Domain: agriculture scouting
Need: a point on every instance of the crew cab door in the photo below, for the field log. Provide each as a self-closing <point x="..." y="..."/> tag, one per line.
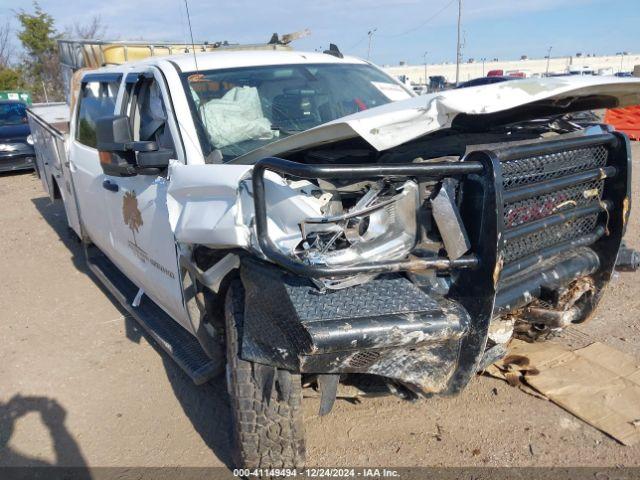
<point x="137" y="205"/>
<point x="97" y="98"/>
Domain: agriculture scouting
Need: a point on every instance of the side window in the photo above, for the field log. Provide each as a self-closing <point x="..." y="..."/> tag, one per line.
<point x="149" y="116"/>
<point x="97" y="99"/>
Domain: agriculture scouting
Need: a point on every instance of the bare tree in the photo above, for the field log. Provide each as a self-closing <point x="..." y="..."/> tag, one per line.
<point x="93" y="30"/>
<point x="6" y="46"/>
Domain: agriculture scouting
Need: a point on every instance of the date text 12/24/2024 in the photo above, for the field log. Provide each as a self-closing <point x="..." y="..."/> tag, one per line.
<point x="317" y="472"/>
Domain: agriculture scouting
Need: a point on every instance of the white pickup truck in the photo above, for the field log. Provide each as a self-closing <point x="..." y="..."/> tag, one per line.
<point x="301" y="218"/>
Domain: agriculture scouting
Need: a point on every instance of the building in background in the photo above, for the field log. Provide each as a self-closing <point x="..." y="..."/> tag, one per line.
<point x="579" y="64"/>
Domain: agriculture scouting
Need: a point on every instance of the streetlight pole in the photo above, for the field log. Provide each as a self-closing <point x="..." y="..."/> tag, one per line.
<point x="370" y="33"/>
<point x="458" y="53"/>
<point x="425" y="68"/>
<point x="483" y="60"/>
<point x="548" y="59"/>
<point x="621" y="60"/>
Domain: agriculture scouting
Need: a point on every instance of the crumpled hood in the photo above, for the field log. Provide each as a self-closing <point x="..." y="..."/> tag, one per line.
<point x="396" y="123"/>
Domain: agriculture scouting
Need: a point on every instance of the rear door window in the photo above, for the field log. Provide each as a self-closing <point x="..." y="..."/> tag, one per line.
<point x="97" y="100"/>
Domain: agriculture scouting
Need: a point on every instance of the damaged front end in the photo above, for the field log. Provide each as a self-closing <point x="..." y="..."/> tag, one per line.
<point x="414" y="240"/>
<point x="409" y="271"/>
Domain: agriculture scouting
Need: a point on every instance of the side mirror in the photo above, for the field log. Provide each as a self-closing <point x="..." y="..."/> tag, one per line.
<point x="152" y="161"/>
<point x="117" y="150"/>
<point x="112" y="134"/>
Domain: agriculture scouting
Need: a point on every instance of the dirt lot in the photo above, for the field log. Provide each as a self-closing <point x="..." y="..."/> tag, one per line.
<point x="81" y="385"/>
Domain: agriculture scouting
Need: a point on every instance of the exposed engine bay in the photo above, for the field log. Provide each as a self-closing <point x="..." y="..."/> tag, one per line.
<point x="386" y="219"/>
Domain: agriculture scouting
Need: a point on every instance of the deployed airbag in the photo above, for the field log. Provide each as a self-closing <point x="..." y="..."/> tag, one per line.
<point x="236" y="117"/>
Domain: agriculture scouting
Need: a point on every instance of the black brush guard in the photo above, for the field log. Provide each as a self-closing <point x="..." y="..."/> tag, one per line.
<point x="529" y="220"/>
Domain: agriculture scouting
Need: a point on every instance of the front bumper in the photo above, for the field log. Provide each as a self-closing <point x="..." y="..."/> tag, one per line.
<point x="18" y="161"/>
<point x="387" y="327"/>
<point x="530" y="233"/>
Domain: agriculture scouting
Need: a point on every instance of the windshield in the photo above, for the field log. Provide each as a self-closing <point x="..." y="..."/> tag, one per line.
<point x="239" y="110"/>
<point x="12" y="114"/>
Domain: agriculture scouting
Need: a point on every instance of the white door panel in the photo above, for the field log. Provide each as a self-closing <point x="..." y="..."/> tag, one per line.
<point x="97" y="98"/>
<point x="88" y="178"/>
<point x="139" y="223"/>
<point x="137" y="213"/>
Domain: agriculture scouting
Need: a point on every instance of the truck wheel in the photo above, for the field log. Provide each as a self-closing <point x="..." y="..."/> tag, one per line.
<point x="265" y="403"/>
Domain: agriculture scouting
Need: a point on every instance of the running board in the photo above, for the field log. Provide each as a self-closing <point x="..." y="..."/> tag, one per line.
<point x="183" y="347"/>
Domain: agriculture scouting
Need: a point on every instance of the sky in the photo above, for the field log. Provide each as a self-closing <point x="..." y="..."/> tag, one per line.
<point x="405" y="29"/>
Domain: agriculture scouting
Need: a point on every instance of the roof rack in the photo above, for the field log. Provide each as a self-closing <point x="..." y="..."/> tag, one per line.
<point x="77" y="54"/>
<point x="88" y="54"/>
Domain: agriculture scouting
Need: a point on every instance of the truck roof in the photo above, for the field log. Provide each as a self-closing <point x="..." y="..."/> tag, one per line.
<point x="235" y="59"/>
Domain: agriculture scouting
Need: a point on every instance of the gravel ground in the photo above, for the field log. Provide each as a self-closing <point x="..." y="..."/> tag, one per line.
<point x="80" y="384"/>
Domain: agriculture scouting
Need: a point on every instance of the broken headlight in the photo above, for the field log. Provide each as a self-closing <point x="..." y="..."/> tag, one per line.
<point x="362" y="223"/>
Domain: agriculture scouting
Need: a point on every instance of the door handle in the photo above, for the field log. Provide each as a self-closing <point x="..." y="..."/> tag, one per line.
<point x="108" y="185"/>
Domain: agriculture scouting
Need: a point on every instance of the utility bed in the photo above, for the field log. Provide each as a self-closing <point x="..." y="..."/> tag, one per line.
<point x="49" y="123"/>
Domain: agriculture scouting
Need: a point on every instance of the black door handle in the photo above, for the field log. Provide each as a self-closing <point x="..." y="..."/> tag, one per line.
<point x="112" y="187"/>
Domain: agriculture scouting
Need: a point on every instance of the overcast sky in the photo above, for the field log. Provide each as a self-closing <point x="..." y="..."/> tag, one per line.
<point x="405" y="28"/>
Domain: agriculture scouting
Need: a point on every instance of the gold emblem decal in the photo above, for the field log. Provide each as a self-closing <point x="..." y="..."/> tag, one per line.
<point x="133" y="219"/>
<point x="131" y="213"/>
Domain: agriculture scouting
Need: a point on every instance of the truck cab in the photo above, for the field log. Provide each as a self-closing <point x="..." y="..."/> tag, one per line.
<point x="163" y="104"/>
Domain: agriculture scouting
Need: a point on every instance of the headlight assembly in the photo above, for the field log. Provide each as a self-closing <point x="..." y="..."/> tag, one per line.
<point x="381" y="225"/>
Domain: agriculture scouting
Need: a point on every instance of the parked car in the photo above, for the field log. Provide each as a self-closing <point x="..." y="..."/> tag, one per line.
<point x="16" y="142"/>
<point x="274" y="215"/>
<point x="437" y="83"/>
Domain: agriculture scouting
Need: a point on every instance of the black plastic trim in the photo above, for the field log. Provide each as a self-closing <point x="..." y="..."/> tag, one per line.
<point x="102" y="77"/>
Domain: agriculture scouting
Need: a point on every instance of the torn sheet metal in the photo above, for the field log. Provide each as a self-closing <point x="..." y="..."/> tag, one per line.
<point x="202" y="201"/>
<point x="447" y="217"/>
<point x="212" y="205"/>
<point x="396" y="123"/>
<point x="213" y="276"/>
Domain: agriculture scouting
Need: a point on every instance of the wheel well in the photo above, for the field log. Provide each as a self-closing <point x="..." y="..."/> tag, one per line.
<point x="204" y="258"/>
<point x="215" y="302"/>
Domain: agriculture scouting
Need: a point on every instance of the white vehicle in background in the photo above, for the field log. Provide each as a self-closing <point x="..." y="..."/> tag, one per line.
<point x="300" y="218"/>
<point x="581" y="70"/>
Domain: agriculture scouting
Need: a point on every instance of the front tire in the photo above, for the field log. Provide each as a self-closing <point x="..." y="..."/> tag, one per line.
<point x="266" y="403"/>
